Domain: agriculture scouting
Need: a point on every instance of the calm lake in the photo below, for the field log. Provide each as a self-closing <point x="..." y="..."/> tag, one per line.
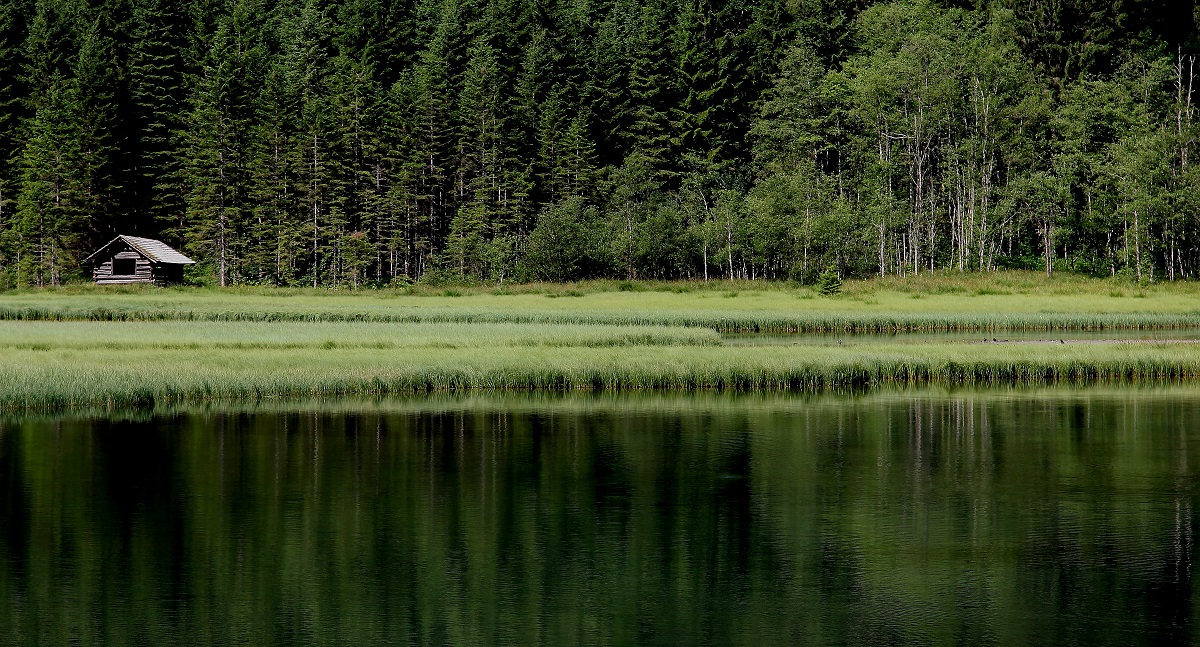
<point x="1020" y="517"/>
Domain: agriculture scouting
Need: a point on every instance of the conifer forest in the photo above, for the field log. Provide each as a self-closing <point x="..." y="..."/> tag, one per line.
<point x="354" y="143"/>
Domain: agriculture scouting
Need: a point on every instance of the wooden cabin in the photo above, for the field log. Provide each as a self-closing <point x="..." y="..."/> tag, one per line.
<point x="129" y="259"/>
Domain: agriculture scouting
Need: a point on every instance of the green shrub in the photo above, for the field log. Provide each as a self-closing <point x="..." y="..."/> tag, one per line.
<point x="829" y="283"/>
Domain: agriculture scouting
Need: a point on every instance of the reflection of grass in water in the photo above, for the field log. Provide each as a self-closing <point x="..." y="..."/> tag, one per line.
<point x="844" y="513"/>
<point x="612" y="402"/>
<point x="55" y="365"/>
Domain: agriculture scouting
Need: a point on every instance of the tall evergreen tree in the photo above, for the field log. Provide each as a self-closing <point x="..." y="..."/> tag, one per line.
<point x="217" y="141"/>
<point x="156" y="88"/>
<point x="652" y="88"/>
<point x="100" y="145"/>
<point x="46" y="234"/>
<point x="13" y="92"/>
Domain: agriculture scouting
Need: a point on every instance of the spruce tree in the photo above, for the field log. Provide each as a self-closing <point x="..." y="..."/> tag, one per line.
<point x="339" y="142"/>
<point x="701" y="77"/>
<point x="317" y="165"/>
<point x="276" y="251"/>
<point x="406" y="230"/>
<point x="607" y="85"/>
<point x="13" y="92"/>
<point x="436" y="133"/>
<point x="45" y="238"/>
<point x="100" y="147"/>
<point x="652" y="89"/>
<point x="217" y="142"/>
<point x="157" y="94"/>
<point x="481" y="179"/>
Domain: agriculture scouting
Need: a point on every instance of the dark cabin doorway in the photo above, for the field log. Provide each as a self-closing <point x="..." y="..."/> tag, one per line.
<point x="124" y="266"/>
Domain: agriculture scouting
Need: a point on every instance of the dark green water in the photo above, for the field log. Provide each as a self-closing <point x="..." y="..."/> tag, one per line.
<point x="1018" y="518"/>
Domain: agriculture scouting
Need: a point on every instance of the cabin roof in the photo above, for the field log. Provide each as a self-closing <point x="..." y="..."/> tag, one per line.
<point x="155" y="250"/>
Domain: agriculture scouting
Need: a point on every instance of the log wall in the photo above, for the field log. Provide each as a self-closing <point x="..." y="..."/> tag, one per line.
<point x="144" y="272"/>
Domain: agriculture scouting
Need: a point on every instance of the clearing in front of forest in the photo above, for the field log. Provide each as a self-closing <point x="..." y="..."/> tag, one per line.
<point x="940" y="302"/>
<point x="129" y="347"/>
<point x="47" y="365"/>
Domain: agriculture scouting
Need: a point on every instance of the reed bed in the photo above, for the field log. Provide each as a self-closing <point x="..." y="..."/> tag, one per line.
<point x="57" y="378"/>
<point x="224" y="336"/>
<point x="884" y="310"/>
<point x="135" y="347"/>
<point x="581" y="402"/>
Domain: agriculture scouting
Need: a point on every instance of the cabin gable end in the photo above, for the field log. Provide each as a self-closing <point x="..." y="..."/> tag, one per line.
<point x="127" y="259"/>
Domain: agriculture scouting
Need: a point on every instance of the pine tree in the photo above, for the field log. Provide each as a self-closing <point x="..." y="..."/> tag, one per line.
<point x="158" y="104"/>
<point x="652" y="86"/>
<point x="436" y="133"/>
<point x="100" y="148"/>
<point x="481" y="179"/>
<point x="217" y="142"/>
<point x="12" y="112"/>
<point x="45" y="236"/>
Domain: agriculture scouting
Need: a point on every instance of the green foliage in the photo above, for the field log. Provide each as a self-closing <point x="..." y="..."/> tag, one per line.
<point x="364" y="142"/>
<point x="563" y="245"/>
<point x="829" y="284"/>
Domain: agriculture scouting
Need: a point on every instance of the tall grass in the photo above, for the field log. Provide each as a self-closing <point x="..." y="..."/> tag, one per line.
<point x="224" y="335"/>
<point x="72" y="377"/>
<point x="587" y="402"/>
<point x="884" y="307"/>
<point x="131" y="347"/>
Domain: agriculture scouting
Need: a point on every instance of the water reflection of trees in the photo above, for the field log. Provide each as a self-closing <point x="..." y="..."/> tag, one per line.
<point x="976" y="518"/>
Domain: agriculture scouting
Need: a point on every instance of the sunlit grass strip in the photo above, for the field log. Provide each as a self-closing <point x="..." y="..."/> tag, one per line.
<point x="731" y="321"/>
<point x="42" y="380"/>
<point x="884" y="310"/>
<point x="241" y="336"/>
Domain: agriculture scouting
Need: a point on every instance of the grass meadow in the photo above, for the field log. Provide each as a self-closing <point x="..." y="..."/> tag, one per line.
<point x="84" y="346"/>
<point x="55" y="365"/>
<point x="1006" y="301"/>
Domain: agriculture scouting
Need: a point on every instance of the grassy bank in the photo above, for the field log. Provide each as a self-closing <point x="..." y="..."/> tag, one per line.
<point x="604" y="403"/>
<point x="127" y="347"/>
<point x="1011" y="301"/>
<point x="54" y="365"/>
